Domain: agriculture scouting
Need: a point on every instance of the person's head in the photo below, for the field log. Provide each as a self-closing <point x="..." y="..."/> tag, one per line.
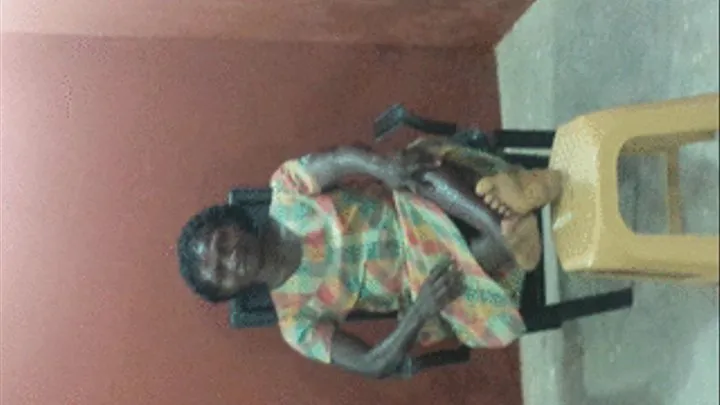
<point x="219" y="252"/>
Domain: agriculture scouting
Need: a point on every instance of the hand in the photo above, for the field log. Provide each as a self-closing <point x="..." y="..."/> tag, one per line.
<point x="406" y="369"/>
<point x="442" y="287"/>
<point x="405" y="169"/>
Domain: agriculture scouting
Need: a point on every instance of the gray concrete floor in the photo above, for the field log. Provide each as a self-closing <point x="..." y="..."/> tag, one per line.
<point x="568" y="57"/>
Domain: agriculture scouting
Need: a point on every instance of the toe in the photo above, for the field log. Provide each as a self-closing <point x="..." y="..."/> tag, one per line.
<point x="507" y="212"/>
<point x="484" y="186"/>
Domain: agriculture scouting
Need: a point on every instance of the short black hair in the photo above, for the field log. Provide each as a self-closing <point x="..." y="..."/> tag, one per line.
<point x="195" y="230"/>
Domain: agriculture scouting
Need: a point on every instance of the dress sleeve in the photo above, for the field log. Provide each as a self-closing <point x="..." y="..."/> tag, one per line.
<point x="308" y="335"/>
<point x="292" y="177"/>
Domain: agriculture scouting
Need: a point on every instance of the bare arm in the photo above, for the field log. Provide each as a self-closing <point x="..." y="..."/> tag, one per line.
<point x="434" y="184"/>
<point x="352" y="354"/>
<point x="328" y="168"/>
<point x="460" y="202"/>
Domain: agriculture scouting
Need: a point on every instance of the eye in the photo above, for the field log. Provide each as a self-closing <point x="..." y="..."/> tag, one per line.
<point x="227" y="242"/>
<point x="200" y="249"/>
<point x="230" y="261"/>
<point x="230" y="245"/>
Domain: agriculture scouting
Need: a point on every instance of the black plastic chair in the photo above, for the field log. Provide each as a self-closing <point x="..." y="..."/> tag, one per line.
<point x="254" y="308"/>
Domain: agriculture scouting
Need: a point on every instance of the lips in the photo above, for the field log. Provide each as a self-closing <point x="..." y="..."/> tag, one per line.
<point x="241" y="259"/>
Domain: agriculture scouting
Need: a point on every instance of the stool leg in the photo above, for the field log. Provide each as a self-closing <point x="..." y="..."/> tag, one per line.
<point x="674" y="197"/>
<point x="669" y="258"/>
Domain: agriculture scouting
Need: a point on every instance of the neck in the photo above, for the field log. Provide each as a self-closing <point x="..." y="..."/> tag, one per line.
<point x="279" y="255"/>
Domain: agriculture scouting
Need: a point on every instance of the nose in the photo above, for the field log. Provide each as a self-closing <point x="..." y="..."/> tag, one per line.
<point x="230" y="262"/>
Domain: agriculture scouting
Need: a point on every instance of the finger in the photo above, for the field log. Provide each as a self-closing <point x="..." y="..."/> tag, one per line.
<point x="420" y="177"/>
<point x="457" y="288"/>
<point x="431" y="162"/>
<point x="440" y="267"/>
<point x="457" y="278"/>
<point x="416" y="169"/>
<point x="448" y="278"/>
<point x="440" y="291"/>
<point x="425" y="163"/>
<point x="444" y="301"/>
<point x="450" y="275"/>
<point x="444" y="283"/>
<point x="454" y="277"/>
<point x="449" y="294"/>
<point x="409" y="158"/>
<point x="436" y="273"/>
<point x="418" y="187"/>
<point x="443" y="279"/>
<point x="451" y="291"/>
<point x="445" y="275"/>
<point x="421" y="158"/>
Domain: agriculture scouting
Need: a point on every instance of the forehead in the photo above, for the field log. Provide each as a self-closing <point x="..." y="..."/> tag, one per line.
<point x="211" y="247"/>
<point x="206" y="237"/>
<point x="208" y="243"/>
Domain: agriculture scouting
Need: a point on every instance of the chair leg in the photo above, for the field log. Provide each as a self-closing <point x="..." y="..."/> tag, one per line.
<point x="533" y="289"/>
<point x="523" y="139"/>
<point x="553" y="316"/>
<point x="527" y="161"/>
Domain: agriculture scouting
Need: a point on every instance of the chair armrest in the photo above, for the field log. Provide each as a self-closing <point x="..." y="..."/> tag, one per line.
<point x="241" y="316"/>
<point x="441" y="358"/>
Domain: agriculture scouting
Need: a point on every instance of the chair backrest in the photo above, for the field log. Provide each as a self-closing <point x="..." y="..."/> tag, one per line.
<point x="253" y="308"/>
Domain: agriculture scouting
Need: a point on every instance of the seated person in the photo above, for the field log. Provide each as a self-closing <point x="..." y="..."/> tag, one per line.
<point x="332" y="248"/>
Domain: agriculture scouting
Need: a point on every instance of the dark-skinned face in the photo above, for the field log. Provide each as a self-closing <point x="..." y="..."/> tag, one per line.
<point x="229" y="259"/>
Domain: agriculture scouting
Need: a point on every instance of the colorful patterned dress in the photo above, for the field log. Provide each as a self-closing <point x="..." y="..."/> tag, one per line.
<point x="370" y="249"/>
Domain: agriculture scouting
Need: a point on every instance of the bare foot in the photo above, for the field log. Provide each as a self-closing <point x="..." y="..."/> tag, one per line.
<point x="519" y="192"/>
<point x="523" y="238"/>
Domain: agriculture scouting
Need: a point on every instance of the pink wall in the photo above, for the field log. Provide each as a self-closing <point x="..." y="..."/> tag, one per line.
<point x="409" y="22"/>
<point x="109" y="145"/>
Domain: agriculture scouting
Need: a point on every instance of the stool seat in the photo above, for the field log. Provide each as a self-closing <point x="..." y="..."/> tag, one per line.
<point x="589" y="231"/>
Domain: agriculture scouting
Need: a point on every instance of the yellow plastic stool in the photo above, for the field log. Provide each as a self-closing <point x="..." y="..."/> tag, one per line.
<point x="590" y="234"/>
